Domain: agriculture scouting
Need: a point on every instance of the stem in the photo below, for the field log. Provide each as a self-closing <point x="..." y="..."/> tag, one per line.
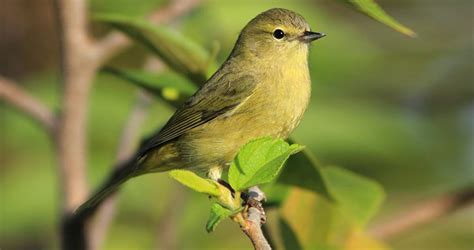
<point x="13" y="94"/>
<point x="250" y="222"/>
<point x="167" y="228"/>
<point x="252" y="227"/>
<point x="106" y="212"/>
<point x="115" y="41"/>
<point x="423" y="213"/>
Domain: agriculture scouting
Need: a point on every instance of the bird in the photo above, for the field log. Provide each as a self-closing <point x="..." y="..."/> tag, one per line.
<point x="262" y="89"/>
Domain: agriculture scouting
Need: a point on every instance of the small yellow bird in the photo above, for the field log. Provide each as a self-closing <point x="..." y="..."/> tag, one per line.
<point x="262" y="89"/>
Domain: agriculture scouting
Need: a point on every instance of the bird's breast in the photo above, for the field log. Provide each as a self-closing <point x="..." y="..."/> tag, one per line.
<point x="274" y="109"/>
<point x="287" y="92"/>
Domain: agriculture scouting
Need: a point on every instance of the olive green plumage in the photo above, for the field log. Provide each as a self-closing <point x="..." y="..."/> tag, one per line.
<point x="262" y="89"/>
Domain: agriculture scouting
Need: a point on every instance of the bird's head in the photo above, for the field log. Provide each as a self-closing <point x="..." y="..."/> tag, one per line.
<point x="276" y="33"/>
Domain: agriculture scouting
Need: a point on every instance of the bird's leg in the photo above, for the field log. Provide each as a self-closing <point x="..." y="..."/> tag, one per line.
<point x="215" y="174"/>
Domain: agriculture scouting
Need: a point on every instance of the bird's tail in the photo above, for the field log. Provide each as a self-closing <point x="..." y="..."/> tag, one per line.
<point x="121" y="174"/>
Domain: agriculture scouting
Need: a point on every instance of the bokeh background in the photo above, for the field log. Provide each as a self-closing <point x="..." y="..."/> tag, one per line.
<point x="396" y="109"/>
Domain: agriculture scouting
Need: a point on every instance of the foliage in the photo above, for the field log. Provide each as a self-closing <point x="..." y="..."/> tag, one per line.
<point x="193" y="181"/>
<point x="380" y="129"/>
<point x="260" y="161"/>
<point x="372" y="9"/>
<point x="176" y="50"/>
<point x="218" y="213"/>
<point x="168" y="86"/>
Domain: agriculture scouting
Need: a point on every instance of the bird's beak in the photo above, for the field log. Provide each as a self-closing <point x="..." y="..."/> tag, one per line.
<point x="309" y="36"/>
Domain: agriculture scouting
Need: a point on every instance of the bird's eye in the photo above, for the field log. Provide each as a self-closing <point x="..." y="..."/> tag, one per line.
<point x="278" y="34"/>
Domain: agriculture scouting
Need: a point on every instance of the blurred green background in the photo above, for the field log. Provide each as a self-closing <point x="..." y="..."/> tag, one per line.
<point x="396" y="109"/>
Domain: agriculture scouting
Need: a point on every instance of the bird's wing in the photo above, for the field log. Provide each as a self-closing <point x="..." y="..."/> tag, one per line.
<point x="218" y="96"/>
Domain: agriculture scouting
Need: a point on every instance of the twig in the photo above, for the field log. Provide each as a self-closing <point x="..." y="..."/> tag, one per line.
<point x="115" y="42"/>
<point x="424" y="213"/>
<point x="251" y="221"/>
<point x="13" y="94"/>
<point x="130" y="131"/>
<point x="167" y="227"/>
<point x="125" y="150"/>
<point x="253" y="229"/>
<point x="106" y="213"/>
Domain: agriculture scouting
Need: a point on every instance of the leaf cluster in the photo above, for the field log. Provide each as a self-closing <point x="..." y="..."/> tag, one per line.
<point x="260" y="161"/>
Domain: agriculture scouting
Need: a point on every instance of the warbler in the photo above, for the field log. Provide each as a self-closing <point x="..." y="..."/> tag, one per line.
<point x="262" y="89"/>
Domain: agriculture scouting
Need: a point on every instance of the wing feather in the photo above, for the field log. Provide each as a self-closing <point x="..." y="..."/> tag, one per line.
<point x="218" y="96"/>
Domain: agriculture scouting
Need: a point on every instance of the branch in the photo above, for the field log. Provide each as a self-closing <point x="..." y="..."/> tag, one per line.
<point x="251" y="222"/>
<point x="252" y="227"/>
<point x="12" y="94"/>
<point x="137" y="116"/>
<point x="167" y="227"/>
<point x="115" y="41"/>
<point x="77" y="71"/>
<point x="424" y="213"/>
<point x="106" y="212"/>
<point x="80" y="59"/>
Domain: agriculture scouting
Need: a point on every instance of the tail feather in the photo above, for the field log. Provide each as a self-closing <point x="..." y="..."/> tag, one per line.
<point x="122" y="174"/>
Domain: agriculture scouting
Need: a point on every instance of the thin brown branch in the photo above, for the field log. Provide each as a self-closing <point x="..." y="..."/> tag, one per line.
<point x="424" y="213"/>
<point x="125" y="149"/>
<point x="130" y="134"/>
<point x="115" y="42"/>
<point x="251" y="221"/>
<point x="167" y="237"/>
<point x="253" y="229"/>
<point x="13" y="94"/>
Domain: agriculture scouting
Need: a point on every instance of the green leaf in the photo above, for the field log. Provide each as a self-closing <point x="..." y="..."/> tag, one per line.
<point x="316" y="222"/>
<point x="179" y="52"/>
<point x="357" y="196"/>
<point x="167" y="86"/>
<point x="195" y="182"/>
<point x="259" y="161"/>
<point x="303" y="171"/>
<point x="372" y="9"/>
<point x="218" y="213"/>
<point x="288" y="236"/>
